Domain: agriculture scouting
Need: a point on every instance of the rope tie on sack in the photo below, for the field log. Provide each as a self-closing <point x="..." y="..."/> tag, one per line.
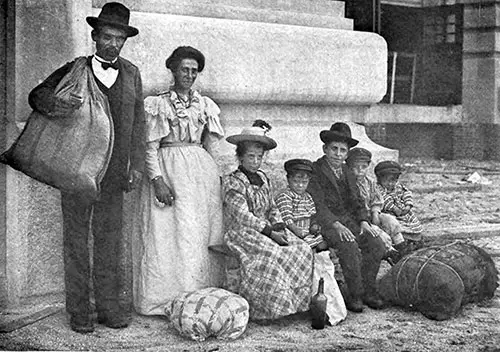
<point x="415" y="291"/>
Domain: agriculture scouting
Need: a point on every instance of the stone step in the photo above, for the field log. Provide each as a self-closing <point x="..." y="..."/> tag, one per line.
<point x="306" y="13"/>
<point x="320" y="7"/>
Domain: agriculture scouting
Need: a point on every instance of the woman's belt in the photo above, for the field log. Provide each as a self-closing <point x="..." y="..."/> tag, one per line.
<point x="165" y="144"/>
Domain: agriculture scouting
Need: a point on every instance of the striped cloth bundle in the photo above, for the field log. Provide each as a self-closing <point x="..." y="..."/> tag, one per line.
<point x="209" y="312"/>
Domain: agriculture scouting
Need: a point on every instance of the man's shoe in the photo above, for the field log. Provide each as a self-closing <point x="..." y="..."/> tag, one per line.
<point x="354" y="305"/>
<point x="373" y="302"/>
<point x="113" y="322"/>
<point x="82" y="325"/>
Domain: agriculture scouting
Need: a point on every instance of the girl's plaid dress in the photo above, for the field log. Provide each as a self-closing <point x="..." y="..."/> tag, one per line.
<point x="274" y="279"/>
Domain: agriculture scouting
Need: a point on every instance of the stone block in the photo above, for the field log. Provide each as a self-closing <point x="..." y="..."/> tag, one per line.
<point x="296" y="130"/>
<point x="402" y="113"/>
<point x="481" y="42"/>
<point x="479" y="92"/>
<point x="482" y="17"/>
<point x="265" y="63"/>
<point x="311" y="13"/>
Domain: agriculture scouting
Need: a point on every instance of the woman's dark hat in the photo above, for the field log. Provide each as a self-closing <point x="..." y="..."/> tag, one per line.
<point x="388" y="167"/>
<point x="116" y="15"/>
<point x="253" y="134"/>
<point x="185" y="52"/>
<point x="339" y="132"/>
<point x="359" y="154"/>
<point x="298" y="165"/>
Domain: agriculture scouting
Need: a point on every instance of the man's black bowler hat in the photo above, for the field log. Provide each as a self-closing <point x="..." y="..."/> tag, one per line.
<point x="339" y="132"/>
<point x="298" y="165"/>
<point x="116" y="15"/>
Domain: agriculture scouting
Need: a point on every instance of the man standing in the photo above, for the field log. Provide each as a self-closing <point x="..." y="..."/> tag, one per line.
<point x="344" y="219"/>
<point x="121" y="82"/>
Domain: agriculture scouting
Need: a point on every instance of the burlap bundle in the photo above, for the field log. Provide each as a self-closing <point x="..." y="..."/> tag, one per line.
<point x="209" y="312"/>
<point x="70" y="153"/>
<point x="439" y="280"/>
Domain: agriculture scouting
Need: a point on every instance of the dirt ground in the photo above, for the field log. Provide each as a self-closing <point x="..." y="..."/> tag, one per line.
<point x="475" y="328"/>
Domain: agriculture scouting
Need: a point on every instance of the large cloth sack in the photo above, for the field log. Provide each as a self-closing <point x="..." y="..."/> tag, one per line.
<point x="438" y="280"/>
<point x="324" y="268"/>
<point x="70" y="153"/>
<point x="209" y="312"/>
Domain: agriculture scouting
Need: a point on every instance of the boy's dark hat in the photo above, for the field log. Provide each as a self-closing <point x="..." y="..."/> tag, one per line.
<point x="388" y="167"/>
<point x="358" y="154"/>
<point x="116" y="15"/>
<point x="186" y="52"/>
<point x="338" y="132"/>
<point x="298" y="165"/>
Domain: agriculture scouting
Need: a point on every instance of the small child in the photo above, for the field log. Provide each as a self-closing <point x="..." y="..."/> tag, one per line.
<point x="297" y="206"/>
<point x="388" y="228"/>
<point x="398" y="200"/>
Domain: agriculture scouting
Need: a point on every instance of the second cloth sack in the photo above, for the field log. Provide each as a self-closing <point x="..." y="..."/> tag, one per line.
<point x="324" y="268"/>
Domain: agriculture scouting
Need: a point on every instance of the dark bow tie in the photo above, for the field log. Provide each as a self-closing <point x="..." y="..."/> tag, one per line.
<point x="106" y="65"/>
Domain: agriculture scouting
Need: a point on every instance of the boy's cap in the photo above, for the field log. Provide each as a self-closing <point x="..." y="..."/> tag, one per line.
<point x="298" y="165"/>
<point x="359" y="154"/>
<point x="388" y="167"/>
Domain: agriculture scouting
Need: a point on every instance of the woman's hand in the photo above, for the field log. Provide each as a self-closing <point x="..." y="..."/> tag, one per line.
<point x="366" y="228"/>
<point x="344" y="233"/>
<point x="279" y="237"/>
<point x="163" y="192"/>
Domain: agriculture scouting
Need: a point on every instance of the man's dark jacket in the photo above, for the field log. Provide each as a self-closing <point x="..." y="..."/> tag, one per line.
<point x="334" y="203"/>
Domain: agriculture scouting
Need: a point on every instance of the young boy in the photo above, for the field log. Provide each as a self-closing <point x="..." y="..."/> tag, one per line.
<point x="297" y="206"/>
<point x="388" y="228"/>
<point x="398" y="200"/>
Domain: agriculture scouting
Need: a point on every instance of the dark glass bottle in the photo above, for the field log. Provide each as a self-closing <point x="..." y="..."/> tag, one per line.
<point x="317" y="307"/>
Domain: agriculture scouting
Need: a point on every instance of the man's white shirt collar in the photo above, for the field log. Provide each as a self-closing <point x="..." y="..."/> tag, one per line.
<point x="107" y="77"/>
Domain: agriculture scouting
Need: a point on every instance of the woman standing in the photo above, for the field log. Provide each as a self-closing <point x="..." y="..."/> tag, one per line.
<point x="181" y="205"/>
<point x="275" y="266"/>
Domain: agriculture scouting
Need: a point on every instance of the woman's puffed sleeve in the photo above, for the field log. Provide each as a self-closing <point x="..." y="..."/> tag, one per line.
<point x="157" y="111"/>
<point x="151" y="163"/>
<point x="212" y="113"/>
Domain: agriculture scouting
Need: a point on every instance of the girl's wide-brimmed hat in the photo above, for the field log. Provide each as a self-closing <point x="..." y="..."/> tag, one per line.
<point x="338" y="132"/>
<point x="253" y="134"/>
<point x="115" y="15"/>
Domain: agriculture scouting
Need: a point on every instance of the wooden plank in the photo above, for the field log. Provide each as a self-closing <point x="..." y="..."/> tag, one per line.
<point x="27" y="319"/>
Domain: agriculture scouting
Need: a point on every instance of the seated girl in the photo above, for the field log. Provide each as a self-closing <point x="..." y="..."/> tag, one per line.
<point x="275" y="273"/>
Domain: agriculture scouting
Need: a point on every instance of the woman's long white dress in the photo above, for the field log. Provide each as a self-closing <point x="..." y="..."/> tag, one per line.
<point x="172" y="253"/>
